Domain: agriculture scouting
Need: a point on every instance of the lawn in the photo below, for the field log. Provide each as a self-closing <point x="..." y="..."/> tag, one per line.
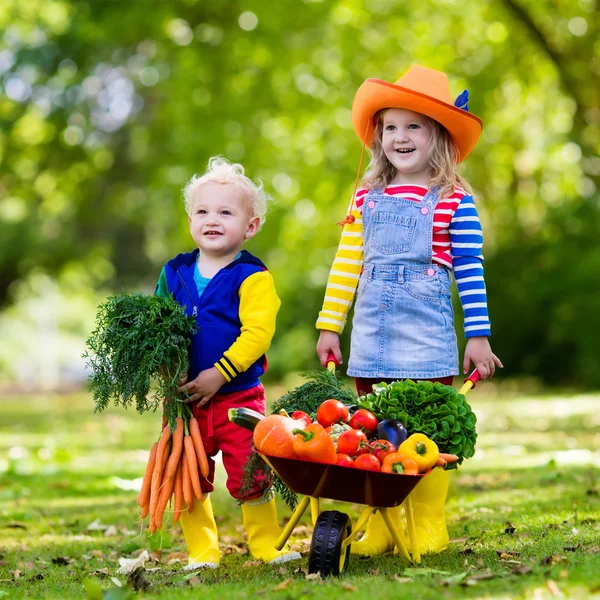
<point x="524" y="514"/>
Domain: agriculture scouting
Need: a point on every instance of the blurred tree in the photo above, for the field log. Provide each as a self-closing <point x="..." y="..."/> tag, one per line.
<point x="108" y="107"/>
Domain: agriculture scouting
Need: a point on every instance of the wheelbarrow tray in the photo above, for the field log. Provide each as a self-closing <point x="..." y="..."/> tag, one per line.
<point x="345" y="484"/>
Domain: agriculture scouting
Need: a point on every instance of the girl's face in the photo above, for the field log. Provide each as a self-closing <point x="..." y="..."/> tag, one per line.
<point x="405" y="140"/>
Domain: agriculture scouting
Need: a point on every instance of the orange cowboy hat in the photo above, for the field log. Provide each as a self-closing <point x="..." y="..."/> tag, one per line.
<point x="421" y="90"/>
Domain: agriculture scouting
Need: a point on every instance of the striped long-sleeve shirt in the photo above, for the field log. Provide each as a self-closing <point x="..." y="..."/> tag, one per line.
<point x="457" y="244"/>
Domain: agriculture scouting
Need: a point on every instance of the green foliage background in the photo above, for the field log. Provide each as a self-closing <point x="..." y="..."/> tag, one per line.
<point x="109" y="106"/>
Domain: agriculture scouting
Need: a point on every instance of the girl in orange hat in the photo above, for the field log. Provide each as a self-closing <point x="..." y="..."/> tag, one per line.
<point x="410" y="226"/>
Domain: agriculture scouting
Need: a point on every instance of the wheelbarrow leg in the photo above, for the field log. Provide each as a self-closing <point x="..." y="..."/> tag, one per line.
<point x="287" y="530"/>
<point x="314" y="510"/>
<point x="412" y="533"/>
<point x="395" y="533"/>
<point x="362" y="519"/>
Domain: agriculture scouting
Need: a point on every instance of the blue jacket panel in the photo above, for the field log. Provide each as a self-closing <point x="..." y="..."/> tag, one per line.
<point x="216" y="312"/>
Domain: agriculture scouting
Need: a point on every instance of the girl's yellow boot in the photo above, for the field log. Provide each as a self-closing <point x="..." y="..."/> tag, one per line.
<point x="376" y="539"/>
<point x="262" y="528"/>
<point x="201" y="537"/>
<point x="428" y="500"/>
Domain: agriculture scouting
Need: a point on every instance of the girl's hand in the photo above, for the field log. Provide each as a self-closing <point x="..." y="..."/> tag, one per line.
<point x="329" y="341"/>
<point x="204" y="387"/>
<point x="479" y="352"/>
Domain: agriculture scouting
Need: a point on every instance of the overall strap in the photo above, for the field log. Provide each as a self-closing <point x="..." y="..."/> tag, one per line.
<point x="431" y="198"/>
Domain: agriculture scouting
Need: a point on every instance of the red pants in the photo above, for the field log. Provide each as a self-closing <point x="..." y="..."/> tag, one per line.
<point x="235" y="442"/>
<point x="365" y="386"/>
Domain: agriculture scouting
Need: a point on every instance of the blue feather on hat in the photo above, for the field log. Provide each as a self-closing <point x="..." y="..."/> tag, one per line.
<point x="463" y="101"/>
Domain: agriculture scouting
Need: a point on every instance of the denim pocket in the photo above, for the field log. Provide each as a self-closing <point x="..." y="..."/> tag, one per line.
<point x="392" y="233"/>
<point x="429" y="289"/>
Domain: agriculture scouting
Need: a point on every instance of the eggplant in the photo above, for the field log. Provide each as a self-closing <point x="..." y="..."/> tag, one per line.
<point x="391" y="430"/>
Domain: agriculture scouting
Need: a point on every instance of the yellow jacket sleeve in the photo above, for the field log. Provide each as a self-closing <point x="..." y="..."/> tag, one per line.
<point x="259" y="305"/>
<point x="344" y="276"/>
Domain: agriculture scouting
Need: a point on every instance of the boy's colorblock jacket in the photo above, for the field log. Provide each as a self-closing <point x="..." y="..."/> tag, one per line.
<point x="235" y="314"/>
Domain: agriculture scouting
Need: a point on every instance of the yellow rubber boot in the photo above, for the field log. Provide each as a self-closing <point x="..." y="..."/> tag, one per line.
<point x="428" y="499"/>
<point x="201" y="537"/>
<point x="262" y="528"/>
<point x="376" y="539"/>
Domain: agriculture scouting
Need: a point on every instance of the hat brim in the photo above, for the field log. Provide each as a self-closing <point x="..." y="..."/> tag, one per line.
<point x="375" y="94"/>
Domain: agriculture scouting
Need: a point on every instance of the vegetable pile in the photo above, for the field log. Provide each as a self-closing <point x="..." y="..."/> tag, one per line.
<point x="436" y="410"/>
<point x="359" y="441"/>
<point x="140" y="344"/>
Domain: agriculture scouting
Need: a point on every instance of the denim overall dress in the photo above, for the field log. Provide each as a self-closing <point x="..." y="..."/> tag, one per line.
<point x="403" y="323"/>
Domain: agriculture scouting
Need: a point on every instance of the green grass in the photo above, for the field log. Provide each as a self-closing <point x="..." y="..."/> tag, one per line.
<point x="61" y="468"/>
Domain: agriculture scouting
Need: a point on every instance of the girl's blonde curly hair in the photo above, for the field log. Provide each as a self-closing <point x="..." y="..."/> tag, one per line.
<point x="443" y="158"/>
<point x="220" y="170"/>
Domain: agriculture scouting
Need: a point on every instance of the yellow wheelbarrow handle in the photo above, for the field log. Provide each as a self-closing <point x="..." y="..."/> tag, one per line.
<point x="470" y="382"/>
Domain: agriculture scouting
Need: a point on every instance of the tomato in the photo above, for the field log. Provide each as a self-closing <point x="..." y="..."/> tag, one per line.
<point x="365" y="420"/>
<point x="381" y="448"/>
<point x="300" y="415"/>
<point x="332" y="411"/>
<point x="343" y="460"/>
<point x="367" y="462"/>
<point x="352" y="442"/>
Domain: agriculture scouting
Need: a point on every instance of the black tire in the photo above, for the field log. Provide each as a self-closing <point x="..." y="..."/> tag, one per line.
<point x="326" y="554"/>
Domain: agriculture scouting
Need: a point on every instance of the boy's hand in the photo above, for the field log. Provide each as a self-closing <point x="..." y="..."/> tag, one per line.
<point x="329" y="341"/>
<point x="204" y="387"/>
<point x="479" y="352"/>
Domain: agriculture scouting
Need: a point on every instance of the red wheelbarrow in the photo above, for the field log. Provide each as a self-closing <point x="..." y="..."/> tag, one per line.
<point x="333" y="532"/>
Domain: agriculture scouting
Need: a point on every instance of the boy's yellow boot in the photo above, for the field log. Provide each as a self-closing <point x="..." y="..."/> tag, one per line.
<point x="262" y="528"/>
<point x="376" y="539"/>
<point x="428" y="500"/>
<point x="201" y="537"/>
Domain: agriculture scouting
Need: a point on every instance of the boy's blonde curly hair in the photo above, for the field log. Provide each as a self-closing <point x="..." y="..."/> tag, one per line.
<point x="220" y="170"/>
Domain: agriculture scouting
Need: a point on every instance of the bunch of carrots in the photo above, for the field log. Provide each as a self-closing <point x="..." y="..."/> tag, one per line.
<point x="174" y="467"/>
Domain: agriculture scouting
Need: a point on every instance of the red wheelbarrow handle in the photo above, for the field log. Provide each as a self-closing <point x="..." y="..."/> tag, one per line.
<point x="474" y="377"/>
<point x="332" y="362"/>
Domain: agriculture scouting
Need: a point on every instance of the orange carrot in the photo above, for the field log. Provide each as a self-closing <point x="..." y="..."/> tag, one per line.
<point x="162" y="453"/>
<point x="198" y="446"/>
<point x="188" y="493"/>
<point x="170" y="471"/>
<point x="190" y="455"/>
<point x="178" y="495"/>
<point x="449" y="458"/>
<point x="440" y="462"/>
<point x="144" y="495"/>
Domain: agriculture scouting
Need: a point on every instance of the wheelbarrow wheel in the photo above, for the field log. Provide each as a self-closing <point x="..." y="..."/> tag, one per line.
<point x="327" y="556"/>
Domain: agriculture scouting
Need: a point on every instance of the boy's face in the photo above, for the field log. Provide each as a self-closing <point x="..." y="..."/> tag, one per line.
<point x="405" y="140"/>
<point x="221" y="219"/>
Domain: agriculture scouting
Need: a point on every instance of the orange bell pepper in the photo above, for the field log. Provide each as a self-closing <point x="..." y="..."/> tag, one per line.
<point x="314" y="444"/>
<point x="398" y="463"/>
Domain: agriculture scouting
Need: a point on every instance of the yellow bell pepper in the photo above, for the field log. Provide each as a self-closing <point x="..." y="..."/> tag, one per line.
<point x="421" y="449"/>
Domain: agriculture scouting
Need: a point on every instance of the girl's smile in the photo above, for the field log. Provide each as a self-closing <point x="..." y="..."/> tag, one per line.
<point x="405" y="141"/>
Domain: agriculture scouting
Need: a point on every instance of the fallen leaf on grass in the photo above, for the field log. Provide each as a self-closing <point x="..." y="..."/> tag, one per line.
<point x="104" y="572"/>
<point x="96" y="526"/>
<point x="26" y="565"/>
<point x="313" y="576"/>
<point x="128" y="565"/>
<point x="194" y="581"/>
<point x="553" y="589"/>
<point x="175" y="556"/>
<point x="348" y="587"/>
<point x="509" y="528"/>
<point x="16" y="574"/>
<point x="138" y="580"/>
<point x="116" y="582"/>
<point x="399" y="579"/>
<point x="507" y="553"/>
<point x="477" y="577"/>
<point x="425" y="571"/>
<point x="373" y="572"/>
<point x="111" y="530"/>
<point x="453" y="579"/>
<point x="553" y="560"/>
<point x="521" y="570"/>
<point x="284" y="585"/>
<point x="458" y="540"/>
<point x="252" y="563"/>
<point x="62" y="560"/>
